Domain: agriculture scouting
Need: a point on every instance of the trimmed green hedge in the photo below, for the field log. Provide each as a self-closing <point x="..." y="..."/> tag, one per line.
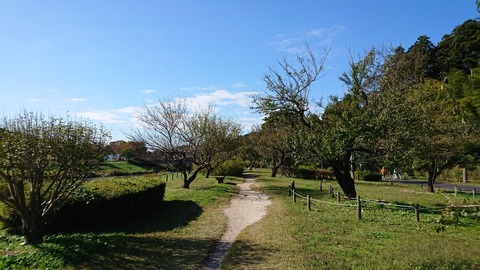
<point x="369" y="176"/>
<point x="110" y="200"/>
<point x="307" y="172"/>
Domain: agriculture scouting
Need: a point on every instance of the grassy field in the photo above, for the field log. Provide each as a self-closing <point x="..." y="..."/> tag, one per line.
<point x="332" y="237"/>
<point x="178" y="235"/>
<point x="112" y="168"/>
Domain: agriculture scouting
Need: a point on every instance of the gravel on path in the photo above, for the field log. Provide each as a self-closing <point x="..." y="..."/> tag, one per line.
<point x="246" y="208"/>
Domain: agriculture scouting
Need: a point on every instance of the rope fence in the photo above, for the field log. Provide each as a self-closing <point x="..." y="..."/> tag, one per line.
<point x="359" y="202"/>
<point x="171" y="176"/>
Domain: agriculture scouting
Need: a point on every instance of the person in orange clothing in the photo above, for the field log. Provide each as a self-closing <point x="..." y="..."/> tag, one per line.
<point x="383" y="172"/>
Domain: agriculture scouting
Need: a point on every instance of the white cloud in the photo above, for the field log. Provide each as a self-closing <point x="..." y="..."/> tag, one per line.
<point x="239" y="85"/>
<point x="129" y="110"/>
<point x="120" y="116"/>
<point x="196" y="88"/>
<point x="104" y="116"/>
<point x="221" y="98"/>
<point x="231" y="105"/>
<point x="77" y="99"/>
<point x="148" y="91"/>
<point x="318" y="37"/>
<point x="38" y="100"/>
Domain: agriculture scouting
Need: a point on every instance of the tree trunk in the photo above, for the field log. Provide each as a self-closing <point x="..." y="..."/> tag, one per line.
<point x="33" y="231"/>
<point x="252" y="163"/>
<point x="341" y="169"/>
<point x="275" y="168"/>
<point x="433" y="173"/>
<point x="431" y="183"/>
<point x="188" y="180"/>
<point x="208" y="171"/>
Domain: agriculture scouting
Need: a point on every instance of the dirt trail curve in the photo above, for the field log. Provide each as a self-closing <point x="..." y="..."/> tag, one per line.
<point x="246" y="208"/>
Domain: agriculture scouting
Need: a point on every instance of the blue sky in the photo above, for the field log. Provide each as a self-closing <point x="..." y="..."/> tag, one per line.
<point x="105" y="60"/>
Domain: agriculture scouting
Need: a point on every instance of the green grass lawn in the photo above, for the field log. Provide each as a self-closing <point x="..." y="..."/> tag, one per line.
<point x="120" y="168"/>
<point x="178" y="235"/>
<point x="332" y="237"/>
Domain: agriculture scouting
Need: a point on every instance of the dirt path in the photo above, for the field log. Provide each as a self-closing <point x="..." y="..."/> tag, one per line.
<point x="246" y="208"/>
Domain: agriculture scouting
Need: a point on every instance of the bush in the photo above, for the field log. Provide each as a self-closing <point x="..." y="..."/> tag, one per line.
<point x="369" y="176"/>
<point x="108" y="201"/>
<point x="233" y="167"/>
<point x="310" y="172"/>
<point x="304" y="172"/>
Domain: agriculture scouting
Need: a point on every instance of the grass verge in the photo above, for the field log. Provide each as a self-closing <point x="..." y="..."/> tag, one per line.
<point x="177" y="235"/>
<point x="331" y="236"/>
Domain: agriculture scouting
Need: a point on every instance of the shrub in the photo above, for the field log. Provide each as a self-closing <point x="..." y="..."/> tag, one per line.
<point x="108" y="201"/>
<point x="369" y="176"/>
<point x="310" y="172"/>
<point x="233" y="167"/>
<point x="304" y="172"/>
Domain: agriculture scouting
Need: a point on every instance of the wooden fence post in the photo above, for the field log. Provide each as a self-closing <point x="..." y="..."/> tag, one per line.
<point x="166" y="178"/>
<point x="417" y="212"/>
<point x="308" y="202"/>
<point x="293" y="185"/>
<point x="473" y="193"/>
<point x="338" y="197"/>
<point x="321" y="184"/>
<point x="294" y="196"/>
<point x="359" y="208"/>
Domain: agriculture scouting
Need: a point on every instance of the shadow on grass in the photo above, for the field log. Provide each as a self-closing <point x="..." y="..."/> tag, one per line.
<point x="245" y="255"/>
<point x="250" y="175"/>
<point x="120" y="251"/>
<point x="131" y="244"/>
<point x="170" y="215"/>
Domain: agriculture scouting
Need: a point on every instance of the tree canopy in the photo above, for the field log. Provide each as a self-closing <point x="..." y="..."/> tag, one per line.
<point x="182" y="138"/>
<point x="417" y="109"/>
<point x="43" y="160"/>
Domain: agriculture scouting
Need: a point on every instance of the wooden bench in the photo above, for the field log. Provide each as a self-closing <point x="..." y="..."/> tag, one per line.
<point x="220" y="179"/>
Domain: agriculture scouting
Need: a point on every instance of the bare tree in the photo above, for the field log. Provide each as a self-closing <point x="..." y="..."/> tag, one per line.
<point x="203" y="138"/>
<point x="289" y="86"/>
<point x="42" y="163"/>
<point x="273" y="142"/>
<point x="216" y="139"/>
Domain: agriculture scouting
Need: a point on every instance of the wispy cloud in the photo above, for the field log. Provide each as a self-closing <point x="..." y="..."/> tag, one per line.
<point x="239" y="85"/>
<point x="148" y="91"/>
<point x="196" y="88"/>
<point x="119" y="116"/>
<point x="318" y="37"/>
<point x="38" y="100"/>
<point x="76" y="99"/>
<point x="104" y="116"/>
<point x="128" y="110"/>
<point x="231" y="105"/>
<point x="220" y="98"/>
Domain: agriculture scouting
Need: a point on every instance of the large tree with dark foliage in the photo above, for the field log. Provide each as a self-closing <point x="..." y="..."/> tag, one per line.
<point x="460" y="49"/>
